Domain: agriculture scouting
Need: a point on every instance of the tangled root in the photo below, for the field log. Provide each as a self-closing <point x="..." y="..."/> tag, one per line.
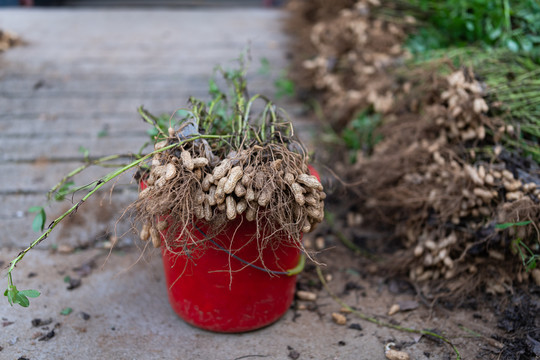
<point x="270" y="185"/>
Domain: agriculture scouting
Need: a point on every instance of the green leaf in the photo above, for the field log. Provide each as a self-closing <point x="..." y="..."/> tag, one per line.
<point x="152" y="132"/>
<point x="84" y="151"/>
<point x="510" y="224"/>
<point x="526" y="45"/>
<point x="265" y="67"/>
<point x="9" y="295"/>
<point x="63" y="191"/>
<point x="66" y="311"/>
<point x="512" y="45"/>
<point x="495" y="33"/>
<point x="30" y="293"/>
<point x="531" y="264"/>
<point x="67" y="279"/>
<point x="39" y="221"/>
<point x="35" y="209"/>
<point x="21" y="299"/>
<point x="102" y="133"/>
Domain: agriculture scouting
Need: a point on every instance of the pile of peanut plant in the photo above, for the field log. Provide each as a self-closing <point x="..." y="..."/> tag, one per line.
<point x="213" y="165"/>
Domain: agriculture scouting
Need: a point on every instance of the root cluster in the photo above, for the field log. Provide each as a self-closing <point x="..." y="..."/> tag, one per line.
<point x="343" y="53"/>
<point x="268" y="184"/>
<point x="442" y="176"/>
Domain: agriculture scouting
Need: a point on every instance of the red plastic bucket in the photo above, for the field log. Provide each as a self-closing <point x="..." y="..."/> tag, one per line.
<point x="222" y="285"/>
<point x="215" y="291"/>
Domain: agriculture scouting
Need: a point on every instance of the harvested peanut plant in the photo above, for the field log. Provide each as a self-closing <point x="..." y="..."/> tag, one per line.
<point x="212" y="163"/>
<point x="245" y="165"/>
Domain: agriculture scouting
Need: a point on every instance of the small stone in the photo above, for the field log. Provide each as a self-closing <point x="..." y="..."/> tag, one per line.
<point x="339" y="318"/>
<point x="345" y="310"/>
<point x="65" y="249"/>
<point x="319" y="243"/>
<point x="496" y="255"/>
<point x="394" y="309"/>
<point x="306" y="295"/>
<point x="392" y="354"/>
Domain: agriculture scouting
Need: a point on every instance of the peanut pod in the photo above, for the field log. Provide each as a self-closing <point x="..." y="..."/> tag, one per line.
<point x="199" y="197"/>
<point x="199" y="211"/>
<point x="222" y="169"/>
<point x="186" y="160"/>
<point x="234" y="176"/>
<point x="264" y="196"/>
<point x="241" y="206"/>
<point x="289" y="178"/>
<point x="160" y="182"/>
<point x="160" y="145"/>
<point x="156" y="238"/>
<point x="298" y="192"/>
<point x="251" y="212"/>
<point x="310" y="181"/>
<point x="159" y="171"/>
<point x="247" y="177"/>
<point x="231" y="208"/>
<point x="162" y="225"/>
<point x="145" y="232"/>
<point x="307" y="226"/>
<point x="211" y="196"/>
<point x="259" y="180"/>
<point x="239" y="190"/>
<point x="207" y="182"/>
<point x="207" y="210"/>
<point x="200" y="162"/>
<point x="220" y="192"/>
<point x="143" y="193"/>
<point x="311" y="199"/>
<point x="222" y="206"/>
<point x="315" y="213"/>
<point x="170" y="171"/>
<point x="250" y="194"/>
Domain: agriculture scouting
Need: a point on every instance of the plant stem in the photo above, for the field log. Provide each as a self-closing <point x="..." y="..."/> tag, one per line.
<point x="80" y="169"/>
<point x="381" y="323"/>
<point x="98" y="185"/>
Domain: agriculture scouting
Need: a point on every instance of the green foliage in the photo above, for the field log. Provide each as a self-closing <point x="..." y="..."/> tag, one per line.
<point x="265" y="67"/>
<point x="15" y="296"/>
<point x="39" y="220"/>
<point x="528" y="257"/>
<point x="103" y="133"/>
<point x="360" y="133"/>
<point x="511" y="224"/>
<point x="63" y="190"/>
<point x="66" y="311"/>
<point x="514" y="25"/>
<point x="284" y="86"/>
<point x="84" y="151"/>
